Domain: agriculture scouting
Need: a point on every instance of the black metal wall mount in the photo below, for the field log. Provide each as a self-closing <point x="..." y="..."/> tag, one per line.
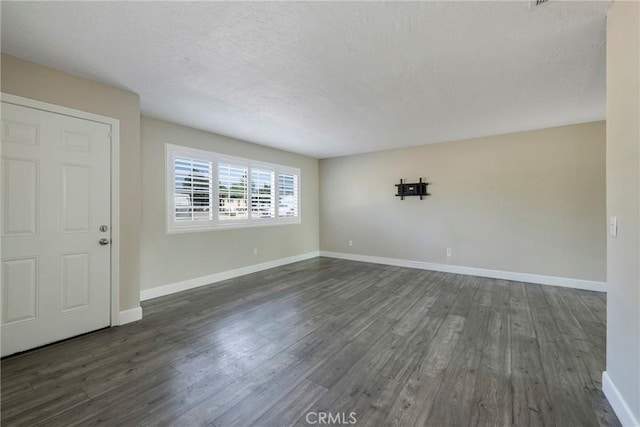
<point x="412" y="189"/>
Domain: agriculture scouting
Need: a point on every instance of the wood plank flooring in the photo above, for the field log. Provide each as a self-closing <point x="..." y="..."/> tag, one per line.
<point x="394" y="346"/>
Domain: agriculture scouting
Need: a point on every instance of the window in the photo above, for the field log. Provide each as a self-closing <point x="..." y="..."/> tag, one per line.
<point x="191" y="189"/>
<point x="287" y="195"/>
<point x="248" y="193"/>
<point x="232" y="191"/>
<point x="263" y="193"/>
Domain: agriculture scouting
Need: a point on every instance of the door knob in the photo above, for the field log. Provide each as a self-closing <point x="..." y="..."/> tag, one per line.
<point x="103" y="241"/>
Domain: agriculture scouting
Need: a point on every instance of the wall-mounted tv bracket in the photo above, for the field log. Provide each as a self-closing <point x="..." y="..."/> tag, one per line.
<point x="412" y="189"/>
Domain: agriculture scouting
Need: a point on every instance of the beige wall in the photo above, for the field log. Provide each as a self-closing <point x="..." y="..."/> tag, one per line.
<point x="170" y="258"/>
<point x="529" y="202"/>
<point x="46" y="84"/>
<point x="623" y="200"/>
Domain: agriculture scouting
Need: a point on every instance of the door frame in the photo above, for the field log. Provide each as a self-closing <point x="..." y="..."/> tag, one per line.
<point x="114" y="182"/>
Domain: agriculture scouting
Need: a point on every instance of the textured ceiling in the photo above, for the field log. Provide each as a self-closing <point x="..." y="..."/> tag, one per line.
<point x="331" y="78"/>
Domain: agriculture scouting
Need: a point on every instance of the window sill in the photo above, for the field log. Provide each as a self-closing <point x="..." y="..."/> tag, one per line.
<point x="236" y="226"/>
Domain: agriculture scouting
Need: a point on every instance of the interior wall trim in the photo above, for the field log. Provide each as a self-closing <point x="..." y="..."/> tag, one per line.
<point x="619" y="405"/>
<point x="172" y="288"/>
<point x="566" y="282"/>
<point x="129" y="316"/>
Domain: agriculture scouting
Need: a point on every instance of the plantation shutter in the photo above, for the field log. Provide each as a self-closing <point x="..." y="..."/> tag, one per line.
<point x="262" y="193"/>
<point x="288" y="195"/>
<point x="192" y="189"/>
<point x="232" y="188"/>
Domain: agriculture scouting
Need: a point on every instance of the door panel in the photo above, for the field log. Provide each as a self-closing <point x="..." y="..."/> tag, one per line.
<point x="76" y="184"/>
<point x="75" y="141"/>
<point x="19" y="133"/>
<point x="21" y="187"/>
<point x="55" y="196"/>
<point x="20" y="286"/>
<point x="75" y="281"/>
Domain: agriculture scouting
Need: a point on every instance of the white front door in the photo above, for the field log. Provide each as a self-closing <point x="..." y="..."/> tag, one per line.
<point x="55" y="211"/>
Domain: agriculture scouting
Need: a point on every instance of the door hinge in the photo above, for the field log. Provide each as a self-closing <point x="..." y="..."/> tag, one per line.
<point x="109" y="135"/>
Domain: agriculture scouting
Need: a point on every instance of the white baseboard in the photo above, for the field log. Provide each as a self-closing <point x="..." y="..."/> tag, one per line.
<point x="128" y="316"/>
<point x="172" y="288"/>
<point x="184" y="285"/>
<point x="619" y="405"/>
<point x="474" y="271"/>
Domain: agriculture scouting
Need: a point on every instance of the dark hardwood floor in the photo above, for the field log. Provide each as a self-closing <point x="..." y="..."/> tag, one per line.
<point x="394" y="346"/>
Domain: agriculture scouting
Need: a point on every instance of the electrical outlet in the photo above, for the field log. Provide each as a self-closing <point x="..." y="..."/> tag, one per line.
<point x="613" y="226"/>
<point x="350" y="242"/>
<point x="255" y="251"/>
<point x="448" y="252"/>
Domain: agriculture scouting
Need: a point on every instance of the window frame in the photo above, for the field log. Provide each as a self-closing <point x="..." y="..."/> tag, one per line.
<point x="215" y="224"/>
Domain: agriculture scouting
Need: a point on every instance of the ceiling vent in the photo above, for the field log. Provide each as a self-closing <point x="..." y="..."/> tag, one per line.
<point x="536" y="3"/>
